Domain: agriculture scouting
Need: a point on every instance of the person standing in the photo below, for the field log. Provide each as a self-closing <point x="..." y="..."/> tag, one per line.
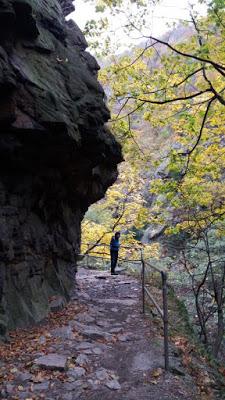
<point x="114" y="251"/>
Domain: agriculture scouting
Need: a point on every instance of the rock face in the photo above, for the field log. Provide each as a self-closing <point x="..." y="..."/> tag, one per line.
<point x="56" y="156"/>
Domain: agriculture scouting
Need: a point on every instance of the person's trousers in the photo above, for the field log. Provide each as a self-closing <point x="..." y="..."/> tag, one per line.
<point x="114" y="258"/>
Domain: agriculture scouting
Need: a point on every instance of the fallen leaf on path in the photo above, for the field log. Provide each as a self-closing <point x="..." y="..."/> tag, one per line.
<point x="157" y="372"/>
<point x="222" y="370"/>
<point x="154" y="382"/>
<point x="13" y="370"/>
<point x="38" y="378"/>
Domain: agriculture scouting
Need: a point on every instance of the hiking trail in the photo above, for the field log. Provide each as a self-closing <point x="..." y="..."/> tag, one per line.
<point x="99" y="348"/>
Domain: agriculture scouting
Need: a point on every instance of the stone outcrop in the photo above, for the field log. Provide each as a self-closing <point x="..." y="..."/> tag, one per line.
<point x="56" y="155"/>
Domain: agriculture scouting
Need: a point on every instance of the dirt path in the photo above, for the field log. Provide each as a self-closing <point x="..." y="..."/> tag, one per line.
<point x="108" y="351"/>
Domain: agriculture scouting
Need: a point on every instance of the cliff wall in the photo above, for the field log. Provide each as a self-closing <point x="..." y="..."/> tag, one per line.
<point x="56" y="156"/>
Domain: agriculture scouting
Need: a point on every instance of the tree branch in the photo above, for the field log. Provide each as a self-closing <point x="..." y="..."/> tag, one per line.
<point x="136" y="59"/>
<point x="200" y="41"/>
<point x="189" y="152"/>
<point x="181" y="98"/>
<point x="220" y="68"/>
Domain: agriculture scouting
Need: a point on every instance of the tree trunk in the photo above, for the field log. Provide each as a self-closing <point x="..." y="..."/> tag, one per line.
<point x="220" y="332"/>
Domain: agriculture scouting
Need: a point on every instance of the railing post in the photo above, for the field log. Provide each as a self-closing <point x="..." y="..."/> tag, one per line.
<point x="143" y="282"/>
<point x="165" y="320"/>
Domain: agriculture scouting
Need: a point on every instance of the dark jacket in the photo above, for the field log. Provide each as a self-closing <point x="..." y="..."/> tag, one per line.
<point x="114" y="244"/>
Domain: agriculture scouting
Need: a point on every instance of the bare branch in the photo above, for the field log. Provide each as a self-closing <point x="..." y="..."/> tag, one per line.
<point x="189" y="152"/>
<point x="200" y="41"/>
<point x="116" y="223"/>
<point x="220" y="68"/>
<point x="128" y="114"/>
<point x="179" y="98"/>
<point x="136" y="59"/>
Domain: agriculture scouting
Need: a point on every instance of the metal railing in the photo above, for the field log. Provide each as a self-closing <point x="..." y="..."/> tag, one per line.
<point x="101" y="255"/>
<point x="102" y="262"/>
<point x="162" y="312"/>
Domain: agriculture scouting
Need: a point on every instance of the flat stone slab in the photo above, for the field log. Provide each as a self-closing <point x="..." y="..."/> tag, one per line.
<point x="103" y="323"/>
<point x="82" y="359"/>
<point x="101" y="277"/>
<point x="113" y="384"/>
<point x="132" y="296"/>
<point x="52" y="361"/>
<point x="143" y="361"/>
<point x="84" y="345"/>
<point x="114" y="309"/>
<point x="64" y="332"/>
<point x="102" y="374"/>
<point x="85" y="317"/>
<point x="57" y="303"/>
<point x="85" y="296"/>
<point x="23" y="376"/>
<point x="122" y="302"/>
<point x="41" y="386"/>
<point x="9" y="389"/>
<point x="76" y="372"/>
<point x="116" y="330"/>
<point x="108" y="378"/>
<point x="92" y="331"/>
<point x="96" y="333"/>
<point x="125" y="337"/>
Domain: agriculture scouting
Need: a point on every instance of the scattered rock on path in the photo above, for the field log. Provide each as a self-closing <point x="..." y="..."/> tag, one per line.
<point x="93" y="332"/>
<point x="102" y="374"/>
<point x="108" y="378"/>
<point x="101" y="277"/>
<point x="125" y="337"/>
<point x="97" y="351"/>
<point x="42" y="339"/>
<point x="52" y="361"/>
<point x="103" y="323"/>
<point x="67" y="396"/>
<point x="24" y="376"/>
<point x="76" y="372"/>
<point x="9" y="389"/>
<point x="84" y="317"/>
<point x="143" y="361"/>
<point x="122" y="302"/>
<point x="116" y="330"/>
<point x="114" y="309"/>
<point x="64" y="332"/>
<point x="113" y="384"/>
<point x="82" y="359"/>
<point x="41" y="386"/>
<point x="84" y="345"/>
<point x="57" y="303"/>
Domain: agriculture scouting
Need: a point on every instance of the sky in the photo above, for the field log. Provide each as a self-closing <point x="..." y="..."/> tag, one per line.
<point x="167" y="12"/>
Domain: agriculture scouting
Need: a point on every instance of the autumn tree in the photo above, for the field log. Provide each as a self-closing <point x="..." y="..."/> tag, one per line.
<point x="176" y="85"/>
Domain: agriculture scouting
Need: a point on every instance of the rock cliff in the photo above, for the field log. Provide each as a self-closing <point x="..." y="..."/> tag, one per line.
<point x="56" y="156"/>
